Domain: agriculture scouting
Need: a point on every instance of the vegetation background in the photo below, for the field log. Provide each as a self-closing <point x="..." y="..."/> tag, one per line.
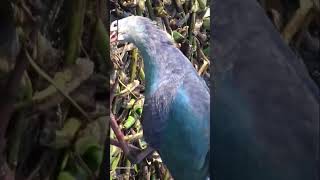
<point x="54" y="88"/>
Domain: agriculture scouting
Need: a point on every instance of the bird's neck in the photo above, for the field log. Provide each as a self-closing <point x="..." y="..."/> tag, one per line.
<point x="158" y="62"/>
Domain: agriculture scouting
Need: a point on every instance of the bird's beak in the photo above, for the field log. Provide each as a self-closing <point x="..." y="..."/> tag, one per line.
<point x="113" y="36"/>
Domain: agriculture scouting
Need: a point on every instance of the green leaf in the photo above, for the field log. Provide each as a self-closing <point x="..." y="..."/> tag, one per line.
<point x="177" y="36"/>
<point x="129" y="122"/>
<point x="130" y="104"/>
<point x="64" y="136"/>
<point x="138" y="105"/>
<point x="206" y="23"/>
<point x="84" y="143"/>
<point x="93" y="157"/>
<point x="115" y="159"/>
<point x="142" y="144"/>
<point x="195" y="6"/>
<point x="64" y="175"/>
<point x="60" y="79"/>
<point x="139" y="111"/>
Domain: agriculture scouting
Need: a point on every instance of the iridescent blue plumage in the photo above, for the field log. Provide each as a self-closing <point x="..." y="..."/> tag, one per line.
<point x="176" y="111"/>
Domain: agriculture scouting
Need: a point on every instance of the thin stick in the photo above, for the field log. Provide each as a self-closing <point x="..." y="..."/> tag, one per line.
<point x="50" y="80"/>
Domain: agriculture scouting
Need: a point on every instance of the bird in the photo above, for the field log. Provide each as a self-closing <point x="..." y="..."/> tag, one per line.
<point x="176" y="112"/>
<point x="266" y="106"/>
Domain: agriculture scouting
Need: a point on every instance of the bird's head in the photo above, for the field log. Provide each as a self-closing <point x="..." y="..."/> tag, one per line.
<point x="133" y="29"/>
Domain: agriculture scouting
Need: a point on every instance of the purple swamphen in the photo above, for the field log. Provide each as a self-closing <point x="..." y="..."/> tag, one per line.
<point x="176" y="114"/>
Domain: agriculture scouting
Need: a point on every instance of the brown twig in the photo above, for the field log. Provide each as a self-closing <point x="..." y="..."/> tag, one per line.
<point x="119" y="135"/>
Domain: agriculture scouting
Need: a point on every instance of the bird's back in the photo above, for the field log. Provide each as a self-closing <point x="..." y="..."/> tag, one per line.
<point x="177" y="125"/>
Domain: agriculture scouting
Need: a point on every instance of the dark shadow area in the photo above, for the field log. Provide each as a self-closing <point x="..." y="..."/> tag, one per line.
<point x="265" y="110"/>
